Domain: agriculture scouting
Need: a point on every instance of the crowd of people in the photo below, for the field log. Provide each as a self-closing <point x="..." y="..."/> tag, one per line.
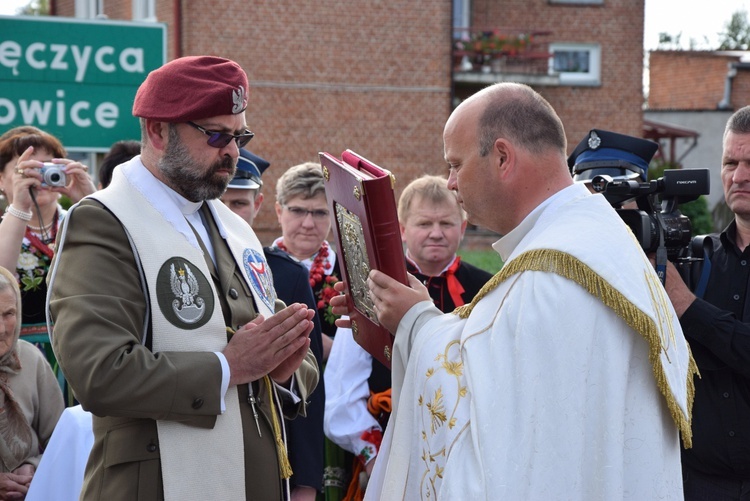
<point x="214" y="367"/>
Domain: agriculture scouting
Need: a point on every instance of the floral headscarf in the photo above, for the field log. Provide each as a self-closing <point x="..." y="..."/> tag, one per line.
<point x="15" y="431"/>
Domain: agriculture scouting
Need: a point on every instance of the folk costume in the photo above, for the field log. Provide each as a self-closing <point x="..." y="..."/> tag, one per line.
<point x="37" y="248"/>
<point x="358" y="384"/>
<point x="568" y="375"/>
<point x="141" y="307"/>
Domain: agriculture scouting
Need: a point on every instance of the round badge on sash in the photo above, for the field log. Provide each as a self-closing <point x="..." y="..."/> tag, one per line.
<point x="259" y="275"/>
<point x="184" y="295"/>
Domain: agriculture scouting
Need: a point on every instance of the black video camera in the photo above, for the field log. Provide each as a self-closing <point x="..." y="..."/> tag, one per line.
<point x="657" y="223"/>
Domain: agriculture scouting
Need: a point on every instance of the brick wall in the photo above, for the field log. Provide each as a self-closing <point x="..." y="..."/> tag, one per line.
<point x="617" y="25"/>
<point x="741" y="89"/>
<point x="686" y="80"/>
<point x="376" y="76"/>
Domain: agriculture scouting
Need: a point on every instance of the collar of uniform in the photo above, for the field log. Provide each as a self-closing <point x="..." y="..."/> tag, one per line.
<point x="414" y="263"/>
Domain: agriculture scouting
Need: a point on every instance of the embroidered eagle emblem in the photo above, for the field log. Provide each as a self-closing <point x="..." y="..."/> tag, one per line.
<point x="239" y="98"/>
<point x="187" y="304"/>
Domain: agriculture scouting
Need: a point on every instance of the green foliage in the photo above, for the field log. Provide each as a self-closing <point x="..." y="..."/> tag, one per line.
<point x="488" y="260"/>
<point x="737" y="34"/>
<point x="35" y="8"/>
<point x="699" y="215"/>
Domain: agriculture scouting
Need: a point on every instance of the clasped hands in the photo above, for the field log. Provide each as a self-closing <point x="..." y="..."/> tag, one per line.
<point x="274" y="346"/>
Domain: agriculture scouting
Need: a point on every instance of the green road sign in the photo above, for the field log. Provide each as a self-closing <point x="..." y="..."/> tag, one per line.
<point x="76" y="79"/>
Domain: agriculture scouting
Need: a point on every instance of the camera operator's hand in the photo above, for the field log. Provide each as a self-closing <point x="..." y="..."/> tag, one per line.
<point x="678" y="292"/>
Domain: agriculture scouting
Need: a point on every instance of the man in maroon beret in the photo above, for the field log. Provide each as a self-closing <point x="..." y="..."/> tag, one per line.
<point x="167" y="325"/>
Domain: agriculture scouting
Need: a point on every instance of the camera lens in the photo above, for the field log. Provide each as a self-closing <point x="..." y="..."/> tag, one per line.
<point x="54" y="177"/>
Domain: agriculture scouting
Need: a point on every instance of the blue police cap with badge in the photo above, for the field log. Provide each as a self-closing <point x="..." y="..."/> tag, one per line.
<point x="608" y="153"/>
<point x="249" y="169"/>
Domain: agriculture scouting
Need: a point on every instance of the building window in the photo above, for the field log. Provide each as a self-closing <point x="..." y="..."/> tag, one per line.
<point x="576" y="64"/>
<point x="88" y="9"/>
<point x="144" y="10"/>
<point x="461" y="18"/>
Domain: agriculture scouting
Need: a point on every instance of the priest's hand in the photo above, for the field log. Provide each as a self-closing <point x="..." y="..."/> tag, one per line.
<point x="393" y="299"/>
<point x="340" y="307"/>
<point x="275" y="346"/>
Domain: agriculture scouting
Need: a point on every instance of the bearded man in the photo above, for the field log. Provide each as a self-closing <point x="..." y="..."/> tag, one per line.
<point x="167" y="325"/>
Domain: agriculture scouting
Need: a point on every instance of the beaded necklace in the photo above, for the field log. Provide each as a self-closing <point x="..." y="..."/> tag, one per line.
<point x="319" y="264"/>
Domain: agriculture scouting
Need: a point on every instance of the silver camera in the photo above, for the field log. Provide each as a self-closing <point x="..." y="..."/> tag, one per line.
<point x="53" y="175"/>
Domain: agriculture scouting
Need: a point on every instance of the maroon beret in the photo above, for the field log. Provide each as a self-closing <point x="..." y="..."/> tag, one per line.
<point x="192" y="88"/>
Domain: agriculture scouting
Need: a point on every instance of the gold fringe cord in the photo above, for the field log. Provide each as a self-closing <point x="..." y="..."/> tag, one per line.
<point x="284" y="467"/>
<point x="567" y="266"/>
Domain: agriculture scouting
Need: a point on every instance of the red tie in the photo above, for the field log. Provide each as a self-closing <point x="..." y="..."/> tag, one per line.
<point x="455" y="289"/>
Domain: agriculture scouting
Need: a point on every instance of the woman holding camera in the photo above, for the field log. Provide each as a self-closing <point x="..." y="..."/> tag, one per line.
<point x="33" y="214"/>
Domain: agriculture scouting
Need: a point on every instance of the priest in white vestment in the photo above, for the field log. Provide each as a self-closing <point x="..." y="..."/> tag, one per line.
<point x="568" y="376"/>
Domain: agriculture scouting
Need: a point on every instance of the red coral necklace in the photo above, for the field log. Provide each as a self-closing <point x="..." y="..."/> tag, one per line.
<point x="319" y="265"/>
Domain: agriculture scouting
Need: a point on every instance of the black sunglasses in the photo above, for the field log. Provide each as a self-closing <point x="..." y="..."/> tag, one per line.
<point x="221" y="139"/>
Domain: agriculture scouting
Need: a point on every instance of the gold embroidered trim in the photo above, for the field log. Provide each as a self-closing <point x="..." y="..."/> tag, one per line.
<point x="567" y="266"/>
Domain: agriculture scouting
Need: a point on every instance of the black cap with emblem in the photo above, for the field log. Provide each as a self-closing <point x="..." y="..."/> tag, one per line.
<point x="619" y="156"/>
<point x="249" y="169"/>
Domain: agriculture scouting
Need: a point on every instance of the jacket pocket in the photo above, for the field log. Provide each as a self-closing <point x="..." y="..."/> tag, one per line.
<point x="132" y="465"/>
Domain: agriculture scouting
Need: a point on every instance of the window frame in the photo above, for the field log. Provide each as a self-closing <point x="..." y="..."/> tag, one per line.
<point x="144" y="10"/>
<point x="590" y="78"/>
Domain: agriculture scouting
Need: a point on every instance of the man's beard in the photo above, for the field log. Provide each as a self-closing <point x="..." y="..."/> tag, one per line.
<point x="184" y="175"/>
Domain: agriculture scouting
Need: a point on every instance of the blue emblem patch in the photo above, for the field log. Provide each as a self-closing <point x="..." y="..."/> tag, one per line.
<point x="259" y="274"/>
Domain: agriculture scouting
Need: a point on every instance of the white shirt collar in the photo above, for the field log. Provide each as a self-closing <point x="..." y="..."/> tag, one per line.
<point x="178" y="212"/>
<point x="411" y="260"/>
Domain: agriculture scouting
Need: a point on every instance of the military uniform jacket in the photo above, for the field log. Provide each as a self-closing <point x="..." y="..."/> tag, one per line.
<point x="100" y="313"/>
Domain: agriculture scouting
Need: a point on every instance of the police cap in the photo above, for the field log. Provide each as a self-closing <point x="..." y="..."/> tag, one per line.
<point x="249" y="169"/>
<point x="608" y="153"/>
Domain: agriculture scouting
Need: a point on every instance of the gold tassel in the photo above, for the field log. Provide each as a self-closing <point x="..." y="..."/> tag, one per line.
<point x="284" y="467"/>
<point x="567" y="266"/>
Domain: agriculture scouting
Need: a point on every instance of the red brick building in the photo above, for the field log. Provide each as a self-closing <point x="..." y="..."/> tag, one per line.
<point x="698" y="91"/>
<point x="379" y="77"/>
<point x="698" y="80"/>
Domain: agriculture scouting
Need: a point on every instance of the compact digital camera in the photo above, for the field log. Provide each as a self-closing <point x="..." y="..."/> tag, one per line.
<point x="53" y="175"/>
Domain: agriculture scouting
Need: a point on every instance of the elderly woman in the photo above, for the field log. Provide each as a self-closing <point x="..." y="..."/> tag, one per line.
<point x="29" y="225"/>
<point x="30" y="397"/>
<point x="302" y="211"/>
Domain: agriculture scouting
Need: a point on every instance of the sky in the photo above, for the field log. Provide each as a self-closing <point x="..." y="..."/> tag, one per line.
<point x="695" y="19"/>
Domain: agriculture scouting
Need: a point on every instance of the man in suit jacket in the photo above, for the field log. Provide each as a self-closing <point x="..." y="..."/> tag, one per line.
<point x="292" y="284"/>
<point x="167" y="325"/>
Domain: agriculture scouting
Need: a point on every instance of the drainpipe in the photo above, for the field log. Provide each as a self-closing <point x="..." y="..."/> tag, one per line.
<point x="177" y="12"/>
<point x="725" y="103"/>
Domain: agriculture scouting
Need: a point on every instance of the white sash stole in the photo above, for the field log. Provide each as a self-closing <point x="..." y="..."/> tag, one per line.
<point x="157" y="240"/>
